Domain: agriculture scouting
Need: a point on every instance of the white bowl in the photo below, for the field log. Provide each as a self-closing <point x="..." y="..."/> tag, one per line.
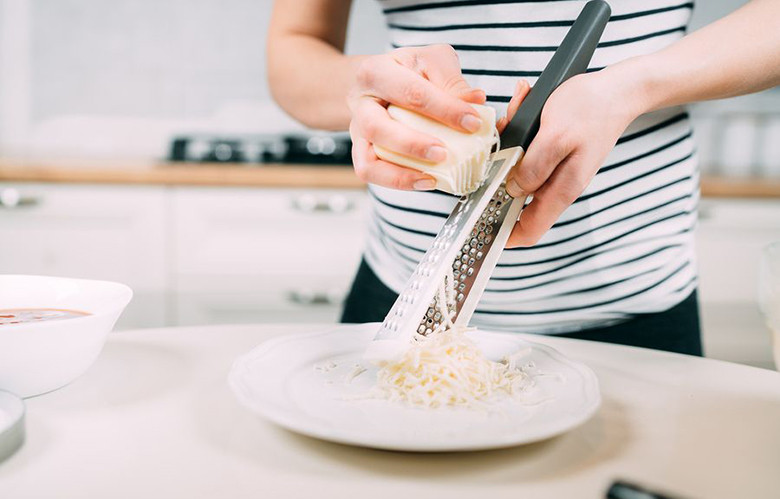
<point x="38" y="357"/>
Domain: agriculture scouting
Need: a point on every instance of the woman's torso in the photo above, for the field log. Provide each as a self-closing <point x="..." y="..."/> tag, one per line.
<point x="626" y="245"/>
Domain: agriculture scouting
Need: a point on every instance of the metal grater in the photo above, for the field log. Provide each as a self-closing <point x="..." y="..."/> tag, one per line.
<point x="475" y="233"/>
<point x="479" y="247"/>
<point x="471" y="240"/>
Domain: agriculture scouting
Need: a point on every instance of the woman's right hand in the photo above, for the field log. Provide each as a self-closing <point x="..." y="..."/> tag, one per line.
<point x="422" y="79"/>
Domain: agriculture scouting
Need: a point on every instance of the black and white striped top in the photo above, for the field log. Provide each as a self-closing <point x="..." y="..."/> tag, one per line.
<point x="626" y="245"/>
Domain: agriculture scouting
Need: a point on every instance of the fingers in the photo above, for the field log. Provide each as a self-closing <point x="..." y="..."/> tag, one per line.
<point x="406" y="88"/>
<point x="373" y="123"/>
<point x="549" y="149"/>
<point x="426" y="80"/>
<point x="373" y="170"/>
<point x="522" y="87"/>
<point x="440" y="65"/>
<point x="562" y="188"/>
<point x="521" y="91"/>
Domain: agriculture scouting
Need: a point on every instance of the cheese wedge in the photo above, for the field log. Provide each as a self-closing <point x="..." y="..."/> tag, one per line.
<point x="465" y="167"/>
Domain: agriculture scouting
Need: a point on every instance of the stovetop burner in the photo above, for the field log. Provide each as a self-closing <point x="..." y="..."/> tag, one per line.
<point x="315" y="148"/>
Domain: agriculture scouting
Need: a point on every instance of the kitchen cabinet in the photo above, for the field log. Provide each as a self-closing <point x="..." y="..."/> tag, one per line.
<point x="730" y="237"/>
<point x="264" y="255"/>
<point x="218" y="255"/>
<point x="192" y="255"/>
<point x="114" y="233"/>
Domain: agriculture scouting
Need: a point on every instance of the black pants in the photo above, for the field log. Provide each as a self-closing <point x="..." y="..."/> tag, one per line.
<point x="675" y="330"/>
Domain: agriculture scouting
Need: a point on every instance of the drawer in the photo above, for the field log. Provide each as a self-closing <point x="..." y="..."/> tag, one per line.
<point x="736" y="332"/>
<point x="271" y="298"/>
<point x="251" y="233"/>
<point x="107" y="232"/>
<point x="273" y="286"/>
<point x="730" y="239"/>
<point x="248" y="308"/>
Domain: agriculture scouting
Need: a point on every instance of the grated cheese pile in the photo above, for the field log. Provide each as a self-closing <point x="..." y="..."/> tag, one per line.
<point x="446" y="368"/>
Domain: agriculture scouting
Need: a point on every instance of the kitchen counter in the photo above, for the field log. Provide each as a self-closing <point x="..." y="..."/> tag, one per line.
<point x="154" y="418"/>
<point x="270" y="175"/>
<point x="170" y="173"/>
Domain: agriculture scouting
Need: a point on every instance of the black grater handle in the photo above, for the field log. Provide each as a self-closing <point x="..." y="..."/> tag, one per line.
<point x="571" y="58"/>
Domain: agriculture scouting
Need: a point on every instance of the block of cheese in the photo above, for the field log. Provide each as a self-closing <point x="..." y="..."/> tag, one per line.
<point x="467" y="153"/>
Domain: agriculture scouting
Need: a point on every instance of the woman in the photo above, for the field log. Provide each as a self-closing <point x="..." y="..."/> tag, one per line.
<point x="605" y="250"/>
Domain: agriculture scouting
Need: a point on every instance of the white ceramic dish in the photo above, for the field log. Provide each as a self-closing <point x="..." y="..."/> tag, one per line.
<point x="11" y="424"/>
<point x="38" y="357"/>
<point x="292" y="382"/>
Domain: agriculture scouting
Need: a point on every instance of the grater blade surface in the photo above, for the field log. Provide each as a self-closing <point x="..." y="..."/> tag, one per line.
<point x="466" y="248"/>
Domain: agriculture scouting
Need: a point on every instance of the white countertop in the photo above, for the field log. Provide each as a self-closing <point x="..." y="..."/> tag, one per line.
<point x="154" y="418"/>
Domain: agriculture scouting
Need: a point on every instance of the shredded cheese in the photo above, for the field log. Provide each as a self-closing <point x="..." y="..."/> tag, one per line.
<point x="356" y="371"/>
<point x="446" y="368"/>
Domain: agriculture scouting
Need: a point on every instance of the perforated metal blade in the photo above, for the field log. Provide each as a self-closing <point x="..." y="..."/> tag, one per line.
<point x="466" y="248"/>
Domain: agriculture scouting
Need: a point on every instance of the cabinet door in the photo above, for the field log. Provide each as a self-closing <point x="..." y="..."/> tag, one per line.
<point x="281" y="254"/>
<point x="94" y="232"/>
<point x="730" y="239"/>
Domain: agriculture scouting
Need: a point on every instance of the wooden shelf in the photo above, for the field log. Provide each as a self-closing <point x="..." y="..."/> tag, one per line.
<point x="167" y="173"/>
<point x="723" y="187"/>
<point x="271" y="175"/>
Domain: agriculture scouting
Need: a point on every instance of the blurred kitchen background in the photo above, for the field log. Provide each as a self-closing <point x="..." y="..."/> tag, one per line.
<point x="97" y="98"/>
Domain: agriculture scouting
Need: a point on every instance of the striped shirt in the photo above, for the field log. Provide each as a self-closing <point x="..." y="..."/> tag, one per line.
<point x="625" y="246"/>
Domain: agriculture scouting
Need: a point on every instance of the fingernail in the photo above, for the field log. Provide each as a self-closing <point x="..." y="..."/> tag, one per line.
<point x="426" y="184"/>
<point x="513" y="188"/>
<point x="471" y="123"/>
<point x="475" y="94"/>
<point x="436" y="154"/>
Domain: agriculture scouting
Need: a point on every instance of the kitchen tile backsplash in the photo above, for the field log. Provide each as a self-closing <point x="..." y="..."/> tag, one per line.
<point x="120" y="78"/>
<point x="151" y="58"/>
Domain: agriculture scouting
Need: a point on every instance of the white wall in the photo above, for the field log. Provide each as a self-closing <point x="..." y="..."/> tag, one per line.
<point x="14" y="71"/>
<point x="707" y="11"/>
<point x="118" y="77"/>
<point x="156" y="58"/>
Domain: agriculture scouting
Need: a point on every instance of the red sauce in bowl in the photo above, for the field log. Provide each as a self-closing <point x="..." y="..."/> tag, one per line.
<point x="10" y="316"/>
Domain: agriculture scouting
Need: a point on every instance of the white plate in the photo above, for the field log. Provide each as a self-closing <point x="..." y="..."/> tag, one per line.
<point x="288" y="381"/>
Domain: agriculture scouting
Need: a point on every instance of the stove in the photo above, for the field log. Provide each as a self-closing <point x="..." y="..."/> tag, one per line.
<point x="314" y="148"/>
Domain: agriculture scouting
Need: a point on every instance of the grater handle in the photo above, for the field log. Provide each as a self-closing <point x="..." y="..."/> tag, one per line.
<point x="571" y="58"/>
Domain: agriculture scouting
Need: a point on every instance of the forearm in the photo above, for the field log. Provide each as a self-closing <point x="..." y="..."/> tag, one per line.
<point x="309" y="79"/>
<point x="736" y="55"/>
<point x="308" y="73"/>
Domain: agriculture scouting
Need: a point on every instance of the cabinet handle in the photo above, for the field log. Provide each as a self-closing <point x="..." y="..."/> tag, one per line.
<point x="705" y="213"/>
<point x="310" y="297"/>
<point x="11" y="198"/>
<point x="308" y="203"/>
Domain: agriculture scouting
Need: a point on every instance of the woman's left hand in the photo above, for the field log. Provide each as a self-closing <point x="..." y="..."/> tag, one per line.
<point x="580" y="124"/>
